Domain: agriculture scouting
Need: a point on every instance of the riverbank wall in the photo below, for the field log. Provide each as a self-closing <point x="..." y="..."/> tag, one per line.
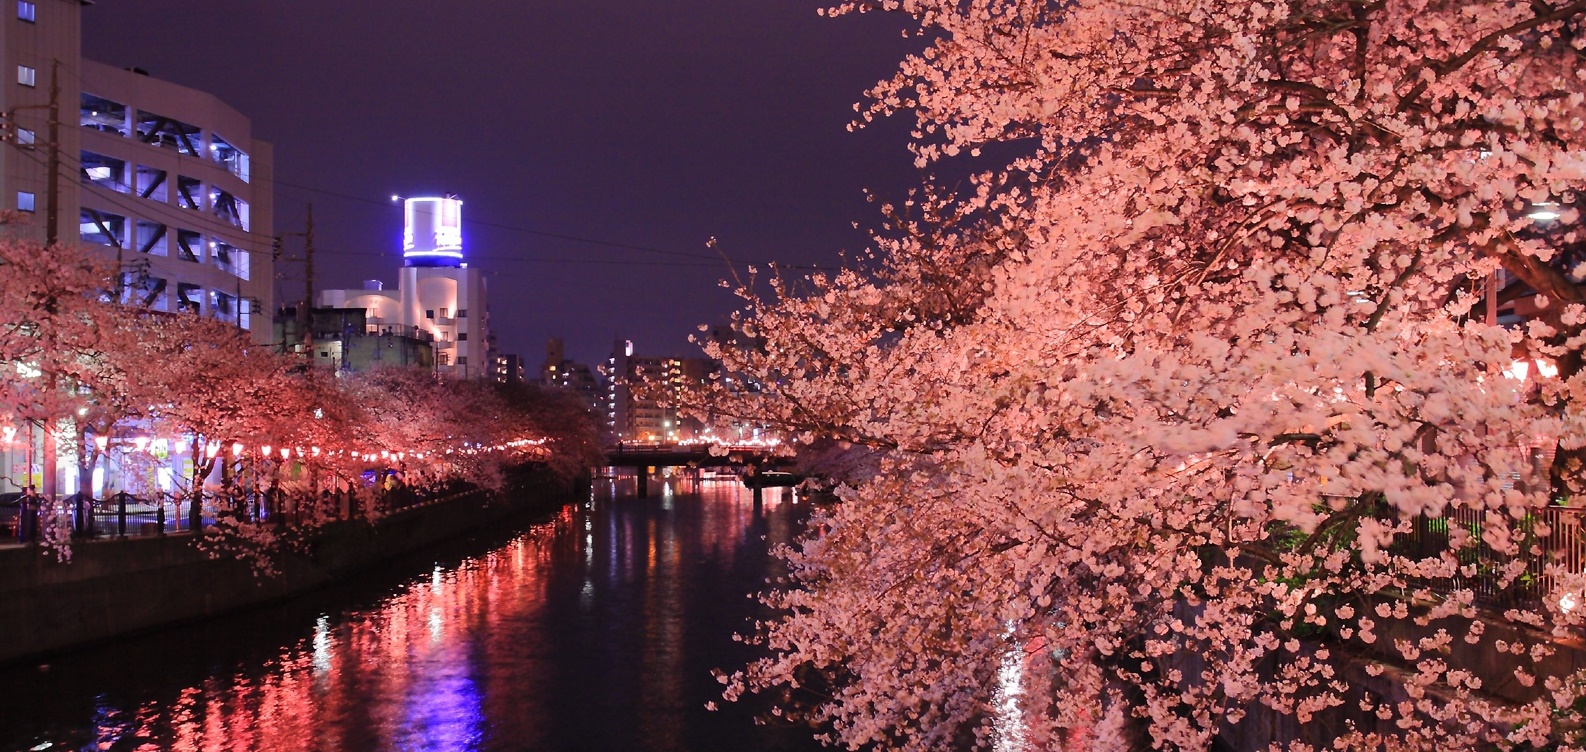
<point x="121" y="586"/>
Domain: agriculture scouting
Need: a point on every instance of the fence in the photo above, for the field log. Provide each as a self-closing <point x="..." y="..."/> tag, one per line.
<point x="124" y="515"/>
<point x="1548" y="535"/>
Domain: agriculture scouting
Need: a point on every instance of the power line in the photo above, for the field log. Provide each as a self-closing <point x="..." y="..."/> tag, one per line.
<point x="173" y="215"/>
<point x="526" y="230"/>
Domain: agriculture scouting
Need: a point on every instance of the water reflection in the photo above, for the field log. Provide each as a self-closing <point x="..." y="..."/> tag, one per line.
<point x="596" y="629"/>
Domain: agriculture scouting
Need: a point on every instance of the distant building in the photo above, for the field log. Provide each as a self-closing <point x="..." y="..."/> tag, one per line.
<point x="344" y="340"/>
<point x="557" y="371"/>
<point x="507" y="369"/>
<point x="643" y="392"/>
<point x="436" y="291"/>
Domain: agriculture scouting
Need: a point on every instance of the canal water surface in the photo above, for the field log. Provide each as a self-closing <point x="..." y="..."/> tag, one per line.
<point x="595" y="630"/>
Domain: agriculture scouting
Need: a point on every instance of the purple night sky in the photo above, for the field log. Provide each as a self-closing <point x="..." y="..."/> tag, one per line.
<point x="630" y="122"/>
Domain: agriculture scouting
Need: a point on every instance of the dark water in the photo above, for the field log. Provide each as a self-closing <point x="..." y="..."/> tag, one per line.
<point x="595" y="630"/>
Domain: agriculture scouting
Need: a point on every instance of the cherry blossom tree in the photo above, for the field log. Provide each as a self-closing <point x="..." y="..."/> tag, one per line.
<point x="1164" y="390"/>
<point x="281" y="433"/>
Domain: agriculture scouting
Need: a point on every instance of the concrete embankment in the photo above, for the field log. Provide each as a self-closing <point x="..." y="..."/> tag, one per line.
<point x="115" y="587"/>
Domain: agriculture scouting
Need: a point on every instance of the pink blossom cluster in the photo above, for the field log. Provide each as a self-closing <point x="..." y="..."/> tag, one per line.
<point x="100" y="376"/>
<point x="1163" y="392"/>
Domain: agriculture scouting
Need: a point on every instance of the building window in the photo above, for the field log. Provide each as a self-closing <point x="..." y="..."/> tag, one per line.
<point x="462" y="360"/>
<point x="26" y="137"/>
<point x="229" y="208"/>
<point x="462" y="336"/>
<point x="229" y="258"/>
<point x="167" y="133"/>
<point x="151" y="238"/>
<point x="27" y="11"/>
<point x="105" y="172"/>
<point x="102" y="228"/>
<point x="27" y="76"/>
<point x="151" y="183"/>
<point x="103" y="115"/>
<point x="189" y="245"/>
<point x="429" y="314"/>
<point x="233" y="159"/>
<point x="24" y="201"/>
<point x="189" y="192"/>
<point x="462" y="313"/>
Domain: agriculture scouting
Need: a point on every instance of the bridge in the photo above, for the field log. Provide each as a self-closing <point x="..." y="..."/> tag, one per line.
<point x="642" y="456"/>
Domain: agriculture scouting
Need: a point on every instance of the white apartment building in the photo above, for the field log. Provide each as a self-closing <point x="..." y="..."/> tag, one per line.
<point x="436" y="290"/>
<point x="166" y="179"/>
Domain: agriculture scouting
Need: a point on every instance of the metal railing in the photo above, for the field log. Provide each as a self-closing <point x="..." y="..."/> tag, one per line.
<point x="125" y="515"/>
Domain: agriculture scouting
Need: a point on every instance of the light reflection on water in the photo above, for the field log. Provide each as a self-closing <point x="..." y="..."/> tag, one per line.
<point x="594" y="630"/>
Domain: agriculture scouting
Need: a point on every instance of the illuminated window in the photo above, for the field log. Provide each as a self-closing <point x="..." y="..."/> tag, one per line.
<point x="166" y="133"/>
<point x="27" y="11"/>
<point x="103" y="115"/>
<point x="189" y="245"/>
<point x="105" y="172"/>
<point x="151" y="238"/>
<point x="151" y="183"/>
<point x="189" y="192"/>
<point x="24" y="201"/>
<point x="233" y="159"/>
<point x="228" y="208"/>
<point x="102" y="228"/>
<point x="27" y="76"/>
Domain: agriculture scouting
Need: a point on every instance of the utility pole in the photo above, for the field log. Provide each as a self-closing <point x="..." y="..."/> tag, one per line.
<point x="52" y="201"/>
<point x="308" y="284"/>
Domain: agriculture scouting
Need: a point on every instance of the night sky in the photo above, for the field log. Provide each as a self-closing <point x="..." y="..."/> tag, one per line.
<point x="630" y="122"/>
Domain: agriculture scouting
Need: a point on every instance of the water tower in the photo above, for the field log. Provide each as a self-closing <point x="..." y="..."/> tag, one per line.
<point x="432" y="231"/>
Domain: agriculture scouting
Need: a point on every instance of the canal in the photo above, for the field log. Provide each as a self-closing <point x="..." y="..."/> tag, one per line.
<point x="594" y="630"/>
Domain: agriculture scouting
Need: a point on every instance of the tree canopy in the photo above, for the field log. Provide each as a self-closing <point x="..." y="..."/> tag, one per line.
<point x="1164" y="388"/>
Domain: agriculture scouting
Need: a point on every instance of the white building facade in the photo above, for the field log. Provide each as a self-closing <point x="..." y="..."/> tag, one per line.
<point x="166" y="179"/>
<point x="436" y="290"/>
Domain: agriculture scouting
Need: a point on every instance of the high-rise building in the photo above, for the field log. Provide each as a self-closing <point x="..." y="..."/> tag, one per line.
<point x="643" y="393"/>
<point x="436" y="290"/>
<point x="166" y="179"/>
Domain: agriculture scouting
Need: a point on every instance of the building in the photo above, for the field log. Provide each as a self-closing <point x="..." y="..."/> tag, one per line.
<point x="559" y="372"/>
<point x="344" y="339"/>
<point x="436" y="291"/>
<point x="643" y="393"/>
<point x="507" y="369"/>
<point x="167" y="180"/>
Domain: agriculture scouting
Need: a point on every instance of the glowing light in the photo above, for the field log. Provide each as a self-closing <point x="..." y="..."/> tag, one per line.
<point x="314" y="450"/>
<point x="432" y="227"/>
<point x="101" y="442"/>
<point x="265" y="449"/>
<point x="286" y="453"/>
<point x="1567" y="603"/>
<point x="236" y="448"/>
<point x="1518" y="370"/>
<point x="140" y="442"/>
<point x="211" y="449"/>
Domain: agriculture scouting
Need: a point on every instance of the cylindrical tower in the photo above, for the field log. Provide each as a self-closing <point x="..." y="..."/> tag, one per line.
<point x="432" y="231"/>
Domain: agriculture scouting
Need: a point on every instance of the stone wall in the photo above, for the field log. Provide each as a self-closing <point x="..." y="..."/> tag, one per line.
<point x="113" y="587"/>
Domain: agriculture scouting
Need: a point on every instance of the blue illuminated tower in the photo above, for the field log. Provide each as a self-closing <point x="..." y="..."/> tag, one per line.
<point x="432" y="231"/>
